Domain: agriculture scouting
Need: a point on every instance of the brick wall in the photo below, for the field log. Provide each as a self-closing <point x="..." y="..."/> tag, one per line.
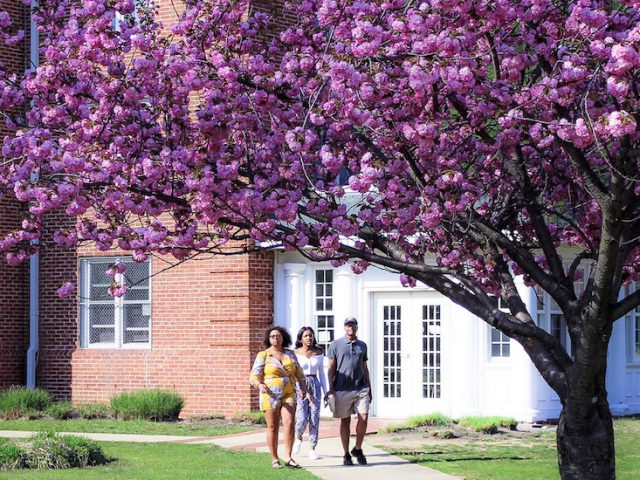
<point x="14" y="307"/>
<point x="208" y="316"/>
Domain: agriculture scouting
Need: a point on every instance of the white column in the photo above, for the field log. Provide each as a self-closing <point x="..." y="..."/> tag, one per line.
<point x="345" y="300"/>
<point x="294" y="304"/>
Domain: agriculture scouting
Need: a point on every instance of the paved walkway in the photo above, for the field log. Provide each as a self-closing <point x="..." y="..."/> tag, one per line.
<point x="382" y="465"/>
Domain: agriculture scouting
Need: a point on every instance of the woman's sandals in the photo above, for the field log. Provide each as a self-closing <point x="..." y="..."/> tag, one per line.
<point x="276" y="464"/>
<point x="292" y="464"/>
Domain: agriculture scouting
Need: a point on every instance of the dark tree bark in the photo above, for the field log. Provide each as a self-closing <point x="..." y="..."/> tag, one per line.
<point x="585" y="438"/>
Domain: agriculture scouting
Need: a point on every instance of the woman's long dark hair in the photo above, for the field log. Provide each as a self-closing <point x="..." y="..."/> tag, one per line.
<point x="314" y="345"/>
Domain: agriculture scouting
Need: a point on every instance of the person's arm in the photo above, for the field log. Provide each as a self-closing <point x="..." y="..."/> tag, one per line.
<point x="322" y="377"/>
<point x="256" y="378"/>
<point x="365" y="369"/>
<point x="299" y="374"/>
<point x="331" y="373"/>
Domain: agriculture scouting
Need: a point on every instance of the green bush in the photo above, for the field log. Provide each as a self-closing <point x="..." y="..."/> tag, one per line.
<point x="52" y="451"/>
<point x="61" y="410"/>
<point x="11" y="455"/>
<point x="20" y="402"/>
<point x="85" y="452"/>
<point x="487" y="424"/>
<point x="48" y="451"/>
<point x="430" y="420"/>
<point x="255" y="418"/>
<point x="157" y="405"/>
<point x="91" y="411"/>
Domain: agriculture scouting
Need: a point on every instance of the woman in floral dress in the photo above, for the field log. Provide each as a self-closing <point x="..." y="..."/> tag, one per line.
<point x="274" y="373"/>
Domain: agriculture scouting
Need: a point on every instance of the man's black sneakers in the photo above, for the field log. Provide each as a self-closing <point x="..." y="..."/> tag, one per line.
<point x="347" y="459"/>
<point x="357" y="452"/>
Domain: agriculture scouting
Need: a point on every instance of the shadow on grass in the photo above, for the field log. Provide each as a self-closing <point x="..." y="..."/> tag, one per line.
<point x="436" y="456"/>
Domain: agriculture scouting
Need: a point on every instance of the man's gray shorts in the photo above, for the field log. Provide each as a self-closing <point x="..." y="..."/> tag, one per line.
<point x="351" y="401"/>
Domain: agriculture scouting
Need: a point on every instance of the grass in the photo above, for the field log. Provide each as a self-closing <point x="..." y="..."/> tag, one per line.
<point x="532" y="457"/>
<point x="432" y="419"/>
<point x="131" y="426"/>
<point x="152" y="404"/>
<point x="255" y="417"/>
<point x="487" y="424"/>
<point x="144" y="461"/>
<point x="22" y="402"/>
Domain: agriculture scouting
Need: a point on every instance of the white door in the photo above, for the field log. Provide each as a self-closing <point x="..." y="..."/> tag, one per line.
<point x="408" y="358"/>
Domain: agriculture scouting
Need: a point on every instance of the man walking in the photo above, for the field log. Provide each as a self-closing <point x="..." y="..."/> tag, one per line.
<point x="349" y="383"/>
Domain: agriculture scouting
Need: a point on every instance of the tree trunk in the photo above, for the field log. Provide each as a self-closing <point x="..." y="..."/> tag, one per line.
<point x="586" y="453"/>
<point x="585" y="432"/>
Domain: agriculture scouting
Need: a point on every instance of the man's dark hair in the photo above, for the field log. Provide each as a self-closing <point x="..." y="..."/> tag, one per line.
<point x="286" y="337"/>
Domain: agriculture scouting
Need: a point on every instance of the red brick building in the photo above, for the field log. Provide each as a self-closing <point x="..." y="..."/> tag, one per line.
<point x="14" y="305"/>
<point x="194" y="327"/>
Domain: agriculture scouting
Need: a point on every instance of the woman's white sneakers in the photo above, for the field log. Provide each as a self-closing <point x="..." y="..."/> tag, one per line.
<point x="296" y="445"/>
<point x="313" y="455"/>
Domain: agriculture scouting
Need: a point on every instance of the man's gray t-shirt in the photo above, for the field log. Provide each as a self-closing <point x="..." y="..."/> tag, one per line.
<point x="350" y="358"/>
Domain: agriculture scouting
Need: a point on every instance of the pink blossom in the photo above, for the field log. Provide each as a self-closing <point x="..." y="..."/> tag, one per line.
<point x="66" y="290"/>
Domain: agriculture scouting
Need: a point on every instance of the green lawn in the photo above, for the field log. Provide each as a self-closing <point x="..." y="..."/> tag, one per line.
<point x="531" y="458"/>
<point x="146" y="461"/>
<point x="119" y="426"/>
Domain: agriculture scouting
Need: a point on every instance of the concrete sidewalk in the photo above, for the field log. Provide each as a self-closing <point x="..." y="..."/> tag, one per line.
<point x="382" y="465"/>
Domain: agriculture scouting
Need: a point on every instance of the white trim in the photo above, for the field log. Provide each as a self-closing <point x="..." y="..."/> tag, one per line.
<point x="118" y="304"/>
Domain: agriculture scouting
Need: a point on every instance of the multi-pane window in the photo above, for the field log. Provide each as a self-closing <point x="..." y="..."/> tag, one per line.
<point x="500" y="342"/>
<point x="115" y="322"/>
<point x="550" y="317"/>
<point x="323" y="304"/>
<point x="392" y="351"/>
<point x="431" y="351"/>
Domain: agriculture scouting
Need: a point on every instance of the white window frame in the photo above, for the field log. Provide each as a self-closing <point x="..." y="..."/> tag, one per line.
<point x="547" y="309"/>
<point x="503" y="341"/>
<point x="324" y="312"/>
<point x="118" y="302"/>
<point x="119" y="17"/>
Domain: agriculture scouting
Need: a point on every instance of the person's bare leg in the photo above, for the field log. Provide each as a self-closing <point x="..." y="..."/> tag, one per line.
<point x="273" y="423"/>
<point x="361" y="429"/>
<point x="345" y="432"/>
<point x="288" y="413"/>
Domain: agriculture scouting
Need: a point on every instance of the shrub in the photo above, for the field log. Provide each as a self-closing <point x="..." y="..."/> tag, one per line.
<point x="430" y="420"/>
<point x="91" y="411"/>
<point x="11" y="455"/>
<point x="61" y="410"/>
<point x="85" y="452"/>
<point x="255" y="418"/>
<point x="49" y="450"/>
<point x="152" y="404"/>
<point x="487" y="424"/>
<point x="20" y="402"/>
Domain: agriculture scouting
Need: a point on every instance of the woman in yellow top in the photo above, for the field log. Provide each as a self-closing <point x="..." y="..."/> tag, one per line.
<point x="274" y="373"/>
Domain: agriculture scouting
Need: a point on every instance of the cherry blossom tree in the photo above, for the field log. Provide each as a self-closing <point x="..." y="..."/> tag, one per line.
<point x="461" y="143"/>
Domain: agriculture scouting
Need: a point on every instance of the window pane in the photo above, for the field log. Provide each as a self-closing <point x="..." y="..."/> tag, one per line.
<point x="99" y="281"/>
<point x="136" y="323"/>
<point x="101" y="324"/>
<point x="137" y="277"/>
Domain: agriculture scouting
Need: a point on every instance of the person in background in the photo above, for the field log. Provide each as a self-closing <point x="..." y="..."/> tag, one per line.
<point x="350" y="384"/>
<point x="311" y="359"/>
<point x="274" y="373"/>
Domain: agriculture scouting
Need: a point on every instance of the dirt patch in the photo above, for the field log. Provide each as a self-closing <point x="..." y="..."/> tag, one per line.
<point x="453" y="435"/>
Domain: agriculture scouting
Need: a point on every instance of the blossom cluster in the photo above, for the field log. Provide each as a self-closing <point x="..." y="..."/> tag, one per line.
<point x="417" y="122"/>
